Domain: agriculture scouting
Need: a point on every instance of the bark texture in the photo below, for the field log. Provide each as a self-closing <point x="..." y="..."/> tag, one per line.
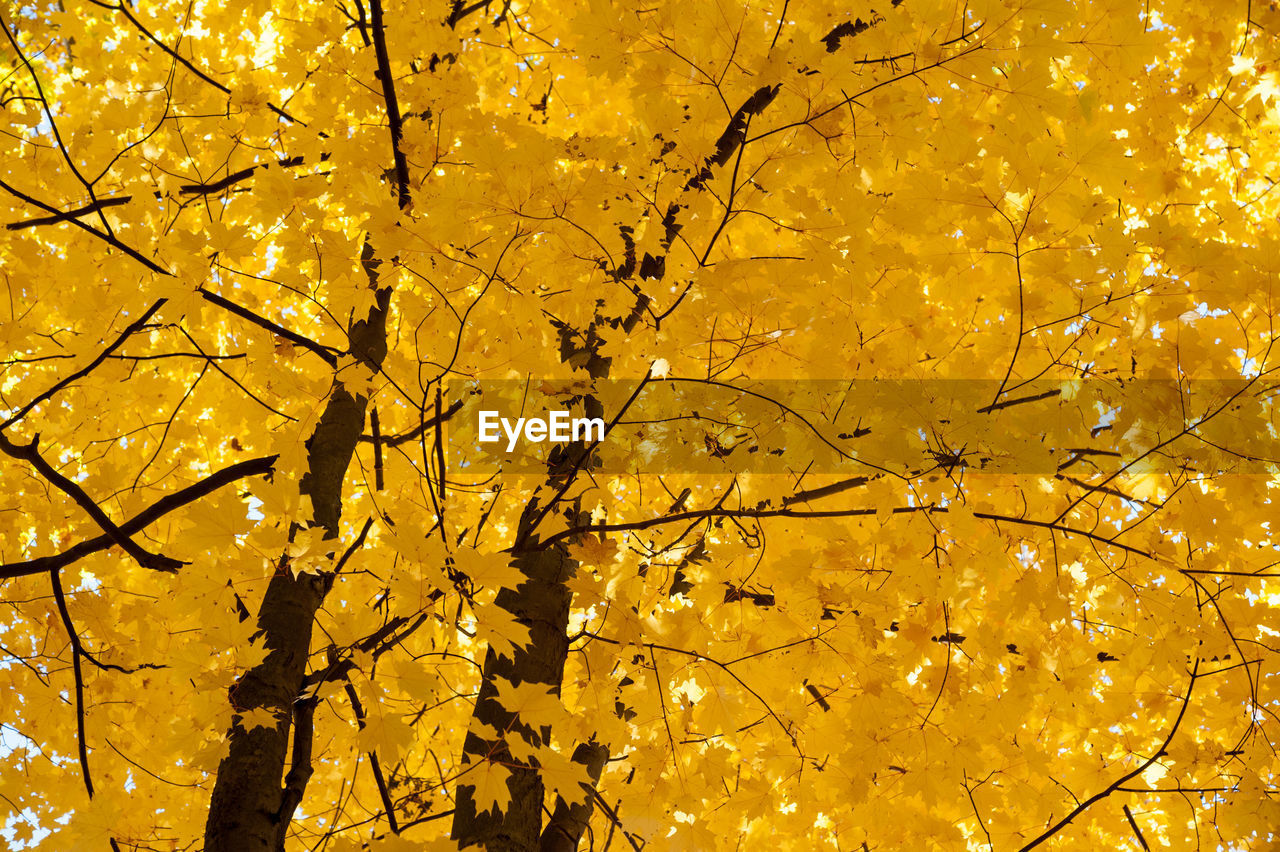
<point x="541" y="603"/>
<point x="568" y="822"/>
<point x="249" y="810"/>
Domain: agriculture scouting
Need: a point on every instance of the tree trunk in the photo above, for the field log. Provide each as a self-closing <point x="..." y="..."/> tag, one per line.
<point x="248" y="811"/>
<point x="541" y="603"/>
<point x="564" y="828"/>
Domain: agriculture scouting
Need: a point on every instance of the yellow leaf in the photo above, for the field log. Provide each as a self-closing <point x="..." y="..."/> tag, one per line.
<point x="490" y="782"/>
<point x="258" y="717"/>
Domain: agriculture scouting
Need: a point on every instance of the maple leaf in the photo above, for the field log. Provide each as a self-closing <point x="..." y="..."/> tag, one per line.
<point x="934" y="343"/>
<point x="258" y="717"/>
<point x="500" y="630"/>
<point x="493" y="570"/>
<point x="214" y="525"/>
<point x="567" y="777"/>
<point x="1266" y="89"/>
<point x="491" y="788"/>
<point x="534" y="703"/>
<point x="285" y="348"/>
<point x="591" y="550"/>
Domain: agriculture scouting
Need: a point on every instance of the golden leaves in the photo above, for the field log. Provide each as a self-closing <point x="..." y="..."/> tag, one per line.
<point x="258" y="717"/>
<point x="491" y="787"/>
<point x="214" y="526"/>
<point x="499" y="630"/>
<point x="1050" y="194"/>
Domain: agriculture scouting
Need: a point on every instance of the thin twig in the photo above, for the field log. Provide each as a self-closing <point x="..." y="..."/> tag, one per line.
<point x="82" y="747"/>
<point x="1113" y="786"/>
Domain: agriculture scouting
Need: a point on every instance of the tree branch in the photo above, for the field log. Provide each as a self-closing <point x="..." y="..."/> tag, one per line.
<point x="129" y="331"/>
<point x="393" y="105"/>
<point x="615" y="821"/>
<point x="564" y="829"/>
<point x="412" y="434"/>
<point x="1119" y="782"/>
<point x="110" y="239"/>
<point x="326" y="353"/>
<point x="140" y="521"/>
<point x="182" y="60"/>
<point x="375" y="765"/>
<point x="300" y="769"/>
<point x="94" y="207"/>
<point x="30" y="454"/>
<point x="460" y="10"/>
<point x="81" y="745"/>
<point x="829" y="513"/>
<point x="323" y="351"/>
<point x="696" y="514"/>
<point x="243" y="174"/>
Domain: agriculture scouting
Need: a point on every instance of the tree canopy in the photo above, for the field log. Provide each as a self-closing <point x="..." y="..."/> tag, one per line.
<point x="932" y="348"/>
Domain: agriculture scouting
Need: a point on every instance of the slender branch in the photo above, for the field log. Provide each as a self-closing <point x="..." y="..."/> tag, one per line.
<point x="393" y="105"/>
<point x="1189" y="429"/>
<point x="786" y="409"/>
<point x="300" y="769"/>
<point x="652" y="646"/>
<point x="461" y="10"/>
<point x="235" y="177"/>
<point x="326" y="353"/>
<point x="412" y="435"/>
<point x="377" y="644"/>
<point x="140" y="521"/>
<point x="94" y="207"/>
<point x="946" y="621"/>
<point x="355" y="545"/>
<point x="209" y="188"/>
<point x="701" y="514"/>
<point x="613" y="818"/>
<point x="1022" y="400"/>
<point x="383" y="792"/>
<point x="61" y="599"/>
<point x="30" y="454"/>
<point x="841" y="104"/>
<point x="53" y="122"/>
<point x="825" y="490"/>
<point x="1223" y="573"/>
<point x="209" y="296"/>
<point x="733" y="192"/>
<point x="1133" y="823"/>
<point x="1053" y="525"/>
<point x="440" y="460"/>
<point x="1119" y="782"/>
<point x="781" y="20"/>
<point x="376" y="428"/>
<point x="129" y="331"/>
<point x="735" y="134"/>
<point x="969" y="791"/>
<point x="182" y="60"/>
<point x="829" y="513"/>
<point x="110" y="239"/>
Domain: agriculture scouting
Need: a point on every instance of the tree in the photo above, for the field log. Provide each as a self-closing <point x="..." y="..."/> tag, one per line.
<point x="932" y="345"/>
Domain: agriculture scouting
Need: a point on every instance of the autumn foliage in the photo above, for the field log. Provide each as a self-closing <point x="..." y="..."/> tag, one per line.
<point x="934" y="342"/>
